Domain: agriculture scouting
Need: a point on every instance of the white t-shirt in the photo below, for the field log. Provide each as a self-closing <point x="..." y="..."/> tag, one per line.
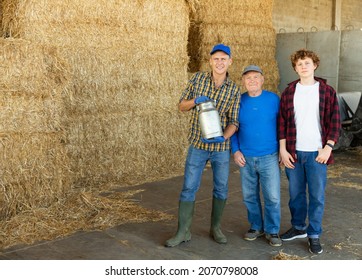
<point x="307" y="120"/>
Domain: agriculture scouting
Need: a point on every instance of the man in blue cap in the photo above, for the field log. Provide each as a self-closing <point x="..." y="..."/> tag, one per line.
<point x="204" y="86"/>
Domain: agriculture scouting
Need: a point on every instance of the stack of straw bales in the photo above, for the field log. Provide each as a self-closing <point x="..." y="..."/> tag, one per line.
<point x="128" y="63"/>
<point x="33" y="162"/>
<point x="245" y="25"/>
<point x="104" y="117"/>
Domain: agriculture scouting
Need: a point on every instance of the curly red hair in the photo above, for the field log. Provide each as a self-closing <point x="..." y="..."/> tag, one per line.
<point x="302" y="54"/>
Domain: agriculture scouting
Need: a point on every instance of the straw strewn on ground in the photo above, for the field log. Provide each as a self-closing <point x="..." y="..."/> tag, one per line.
<point x="78" y="210"/>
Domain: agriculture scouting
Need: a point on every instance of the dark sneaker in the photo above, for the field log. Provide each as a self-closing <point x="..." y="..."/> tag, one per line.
<point x="292" y="234"/>
<point x="274" y="240"/>
<point x="253" y="234"/>
<point x="315" y="246"/>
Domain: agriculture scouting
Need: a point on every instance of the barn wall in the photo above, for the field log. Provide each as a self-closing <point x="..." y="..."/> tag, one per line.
<point x="315" y="15"/>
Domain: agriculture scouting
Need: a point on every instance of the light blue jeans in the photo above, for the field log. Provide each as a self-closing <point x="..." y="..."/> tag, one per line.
<point x="195" y="164"/>
<point x="262" y="172"/>
<point x="307" y="172"/>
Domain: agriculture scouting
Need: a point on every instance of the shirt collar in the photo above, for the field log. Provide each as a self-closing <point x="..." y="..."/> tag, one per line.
<point x="227" y="80"/>
<point x="318" y="79"/>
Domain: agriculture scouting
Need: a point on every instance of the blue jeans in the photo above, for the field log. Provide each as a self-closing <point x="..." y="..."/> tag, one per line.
<point x="195" y="163"/>
<point x="262" y="172"/>
<point x="307" y="172"/>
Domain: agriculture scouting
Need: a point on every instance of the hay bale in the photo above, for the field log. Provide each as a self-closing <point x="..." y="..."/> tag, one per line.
<point x="129" y="64"/>
<point x="33" y="161"/>
<point x="143" y="146"/>
<point x="247" y="29"/>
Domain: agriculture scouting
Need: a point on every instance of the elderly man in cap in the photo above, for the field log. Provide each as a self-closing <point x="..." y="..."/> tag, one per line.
<point x="255" y="149"/>
<point x="204" y="86"/>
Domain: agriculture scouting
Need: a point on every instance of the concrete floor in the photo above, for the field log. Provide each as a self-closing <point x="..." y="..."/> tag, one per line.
<point x="342" y="238"/>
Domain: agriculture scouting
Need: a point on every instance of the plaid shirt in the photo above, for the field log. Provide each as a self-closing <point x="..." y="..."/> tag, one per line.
<point x="227" y="103"/>
<point x="328" y="111"/>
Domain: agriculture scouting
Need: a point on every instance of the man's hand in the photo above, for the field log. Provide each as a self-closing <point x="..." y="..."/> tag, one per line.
<point x="218" y="139"/>
<point x="324" y="154"/>
<point x="201" y="99"/>
<point x="286" y="159"/>
<point x="239" y="159"/>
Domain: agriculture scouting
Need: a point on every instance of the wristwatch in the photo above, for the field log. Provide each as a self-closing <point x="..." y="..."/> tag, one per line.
<point x="330" y="145"/>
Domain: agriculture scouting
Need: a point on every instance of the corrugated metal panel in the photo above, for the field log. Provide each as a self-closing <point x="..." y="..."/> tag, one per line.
<point x="350" y="71"/>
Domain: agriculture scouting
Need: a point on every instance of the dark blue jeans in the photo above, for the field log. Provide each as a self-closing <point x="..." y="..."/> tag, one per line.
<point x="307" y="172"/>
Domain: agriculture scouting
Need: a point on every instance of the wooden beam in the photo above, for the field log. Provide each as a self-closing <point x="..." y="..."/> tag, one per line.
<point x="337" y="14"/>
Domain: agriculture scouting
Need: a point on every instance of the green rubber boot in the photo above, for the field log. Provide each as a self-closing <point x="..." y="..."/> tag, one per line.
<point x="215" y="230"/>
<point x="183" y="234"/>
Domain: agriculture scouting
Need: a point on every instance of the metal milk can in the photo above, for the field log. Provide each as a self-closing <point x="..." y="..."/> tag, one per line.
<point x="209" y="120"/>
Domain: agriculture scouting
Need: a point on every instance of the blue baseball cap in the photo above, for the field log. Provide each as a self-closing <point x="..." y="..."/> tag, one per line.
<point x="221" y="47"/>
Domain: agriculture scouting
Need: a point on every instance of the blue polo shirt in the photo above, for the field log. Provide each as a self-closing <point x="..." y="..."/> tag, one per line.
<point x="257" y="134"/>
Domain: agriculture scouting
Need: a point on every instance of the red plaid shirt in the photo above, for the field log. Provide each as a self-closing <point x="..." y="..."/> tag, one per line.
<point x="328" y="111"/>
